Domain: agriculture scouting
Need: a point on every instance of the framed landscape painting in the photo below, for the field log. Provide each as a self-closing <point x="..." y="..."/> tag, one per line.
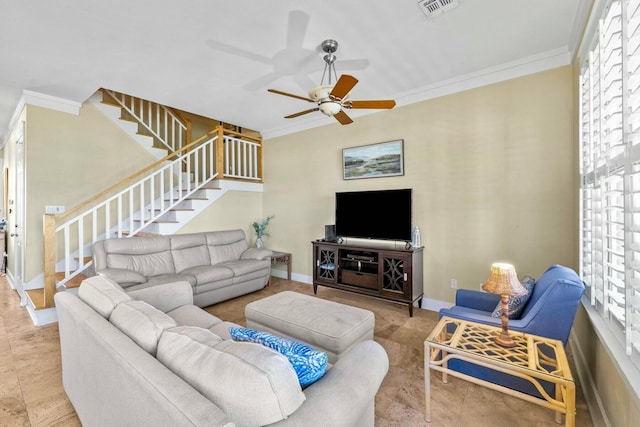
<point x="373" y="161"/>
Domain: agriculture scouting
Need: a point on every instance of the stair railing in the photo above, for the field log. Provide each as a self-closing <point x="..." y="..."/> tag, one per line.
<point x="242" y="156"/>
<point x="138" y="201"/>
<point x="160" y="121"/>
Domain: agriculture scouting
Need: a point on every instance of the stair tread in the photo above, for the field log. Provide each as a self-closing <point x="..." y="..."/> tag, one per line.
<point x="73" y="283"/>
<point x="160" y="221"/>
<point x="188" y="198"/>
<point x="84" y="259"/>
<point x="177" y="209"/>
<point x="36" y="296"/>
<point x="141" y="234"/>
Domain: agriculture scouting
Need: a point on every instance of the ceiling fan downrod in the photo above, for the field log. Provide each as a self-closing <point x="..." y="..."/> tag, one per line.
<point x="329" y="47"/>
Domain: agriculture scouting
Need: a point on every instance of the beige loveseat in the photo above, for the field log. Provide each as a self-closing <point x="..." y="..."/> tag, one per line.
<point x="161" y="361"/>
<point x="219" y="265"/>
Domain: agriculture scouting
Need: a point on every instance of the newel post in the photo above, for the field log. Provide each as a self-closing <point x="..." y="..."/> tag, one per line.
<point x="220" y="153"/>
<point x="49" y="233"/>
<point x="260" y="160"/>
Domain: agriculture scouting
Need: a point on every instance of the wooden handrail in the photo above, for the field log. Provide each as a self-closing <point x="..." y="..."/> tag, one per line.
<point x="127" y="180"/>
<point x="233" y="132"/>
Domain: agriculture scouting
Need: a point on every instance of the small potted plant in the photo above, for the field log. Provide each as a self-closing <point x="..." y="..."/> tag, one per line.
<point x="261" y="230"/>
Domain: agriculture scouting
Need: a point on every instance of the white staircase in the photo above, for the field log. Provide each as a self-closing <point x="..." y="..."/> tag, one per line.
<point x="130" y="128"/>
<point x="159" y="199"/>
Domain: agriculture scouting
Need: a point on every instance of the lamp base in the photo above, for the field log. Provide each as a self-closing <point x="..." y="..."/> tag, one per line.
<point x="504" y="340"/>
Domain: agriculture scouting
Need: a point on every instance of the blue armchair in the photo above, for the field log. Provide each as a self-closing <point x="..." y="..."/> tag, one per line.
<point x="549" y="312"/>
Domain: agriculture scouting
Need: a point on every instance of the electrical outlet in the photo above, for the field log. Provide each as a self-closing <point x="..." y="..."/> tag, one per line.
<point x="53" y="210"/>
<point x="454" y="284"/>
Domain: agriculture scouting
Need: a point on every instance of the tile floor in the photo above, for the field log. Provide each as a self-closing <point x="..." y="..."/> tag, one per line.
<point x="31" y="392"/>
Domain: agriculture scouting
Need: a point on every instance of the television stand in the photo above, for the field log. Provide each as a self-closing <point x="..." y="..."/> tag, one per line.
<point x="389" y="274"/>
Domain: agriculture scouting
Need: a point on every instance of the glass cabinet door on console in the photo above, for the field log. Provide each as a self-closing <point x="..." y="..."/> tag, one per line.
<point x="395" y="272"/>
<point x="326" y="268"/>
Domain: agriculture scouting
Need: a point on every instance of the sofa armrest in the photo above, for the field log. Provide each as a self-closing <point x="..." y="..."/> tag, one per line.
<point x="121" y="275"/>
<point x="348" y="388"/>
<point x="165" y="297"/>
<point x="256" y="253"/>
<point x="477" y="300"/>
<point x="471" y="315"/>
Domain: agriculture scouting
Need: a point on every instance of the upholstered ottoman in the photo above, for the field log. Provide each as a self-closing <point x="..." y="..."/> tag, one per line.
<point x="326" y="325"/>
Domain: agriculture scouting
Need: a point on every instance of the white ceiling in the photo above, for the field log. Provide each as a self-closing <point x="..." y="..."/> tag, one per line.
<point x="217" y="58"/>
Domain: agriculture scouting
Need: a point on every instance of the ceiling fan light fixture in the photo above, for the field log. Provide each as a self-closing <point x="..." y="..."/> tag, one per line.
<point x="320" y="93"/>
<point x="433" y="8"/>
<point x="330" y="108"/>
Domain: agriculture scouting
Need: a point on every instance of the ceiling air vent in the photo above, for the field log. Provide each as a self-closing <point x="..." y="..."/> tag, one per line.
<point x="433" y="8"/>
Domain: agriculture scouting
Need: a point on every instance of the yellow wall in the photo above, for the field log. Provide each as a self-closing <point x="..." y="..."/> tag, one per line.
<point x="68" y="159"/>
<point x="491" y="171"/>
<point x="235" y="209"/>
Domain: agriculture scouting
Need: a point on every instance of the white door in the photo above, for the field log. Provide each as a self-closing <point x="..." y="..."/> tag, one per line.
<point x="16" y="230"/>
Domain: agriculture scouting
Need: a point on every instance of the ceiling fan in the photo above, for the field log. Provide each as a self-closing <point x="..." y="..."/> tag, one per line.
<point x="332" y="100"/>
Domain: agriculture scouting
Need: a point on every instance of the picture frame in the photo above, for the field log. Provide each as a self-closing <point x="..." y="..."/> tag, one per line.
<point x="383" y="159"/>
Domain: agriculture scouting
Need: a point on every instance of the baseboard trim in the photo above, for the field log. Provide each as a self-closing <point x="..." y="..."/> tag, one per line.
<point x="589" y="389"/>
<point x="434" y="305"/>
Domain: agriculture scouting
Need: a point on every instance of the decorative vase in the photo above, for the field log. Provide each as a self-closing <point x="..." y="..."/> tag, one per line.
<point x="259" y="243"/>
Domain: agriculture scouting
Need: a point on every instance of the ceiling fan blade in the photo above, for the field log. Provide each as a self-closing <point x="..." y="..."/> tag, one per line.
<point x="343" y="86"/>
<point x="342" y="117"/>
<point x="291" y="116"/>
<point x="291" y="95"/>
<point x="380" y="104"/>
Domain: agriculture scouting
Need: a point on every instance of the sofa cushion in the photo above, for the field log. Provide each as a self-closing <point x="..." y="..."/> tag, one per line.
<point x="209" y="273"/>
<point x="102" y="294"/>
<point x="151" y="264"/>
<point x="310" y="365"/>
<point x="189" y="250"/>
<point x="226" y="245"/>
<point x="165" y="297"/>
<point x="191" y="315"/>
<point x="222" y="329"/>
<point x="242" y="267"/>
<point x="142" y="323"/>
<point x="252" y="384"/>
<point x="137" y="246"/>
<point x="121" y="275"/>
<point x="197" y="334"/>
<point x="163" y="279"/>
<point x="516" y="304"/>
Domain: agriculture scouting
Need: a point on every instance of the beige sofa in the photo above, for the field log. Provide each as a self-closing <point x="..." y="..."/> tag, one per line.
<point x="219" y="265"/>
<point x="161" y="361"/>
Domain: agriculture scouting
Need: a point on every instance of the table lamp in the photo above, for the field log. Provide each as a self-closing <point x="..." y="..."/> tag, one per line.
<point x="504" y="282"/>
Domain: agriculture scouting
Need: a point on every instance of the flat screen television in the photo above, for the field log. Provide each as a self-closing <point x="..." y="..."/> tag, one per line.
<point x="382" y="214"/>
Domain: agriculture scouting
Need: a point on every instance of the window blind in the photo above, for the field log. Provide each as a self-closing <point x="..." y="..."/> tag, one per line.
<point x="609" y="116"/>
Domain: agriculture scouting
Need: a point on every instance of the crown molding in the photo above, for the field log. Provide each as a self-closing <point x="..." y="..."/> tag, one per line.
<point x="579" y="26"/>
<point x="530" y="65"/>
<point x="38" y="99"/>
<point x="30" y="97"/>
<point x="511" y="70"/>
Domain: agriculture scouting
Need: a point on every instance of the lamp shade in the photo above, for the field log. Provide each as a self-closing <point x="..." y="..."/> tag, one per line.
<point x="504" y="281"/>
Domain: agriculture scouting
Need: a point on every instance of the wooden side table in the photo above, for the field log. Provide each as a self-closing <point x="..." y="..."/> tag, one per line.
<point x="474" y="343"/>
<point x="282" y="258"/>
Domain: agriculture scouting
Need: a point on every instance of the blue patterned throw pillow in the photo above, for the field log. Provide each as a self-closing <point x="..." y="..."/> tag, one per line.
<point x="310" y="365"/>
<point x="516" y="305"/>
